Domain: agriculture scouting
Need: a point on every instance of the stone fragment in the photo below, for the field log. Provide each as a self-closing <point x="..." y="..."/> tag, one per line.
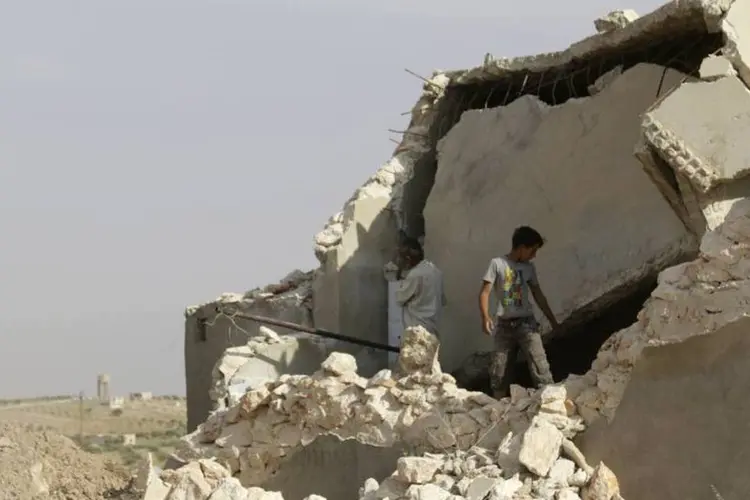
<point x="239" y="434"/>
<point x="416" y="469"/>
<point x="552" y="399"/>
<point x="615" y="20"/>
<point x="714" y="67"/>
<point x="507" y="454"/>
<point x="229" y="489"/>
<point x="540" y="447"/>
<point x="506" y="490"/>
<point x="562" y="471"/>
<point x="426" y="492"/>
<point x="419" y="352"/>
<point x="339" y="363"/>
<point x="700" y="130"/>
<point x="479" y="488"/>
<point x="602" y="486"/>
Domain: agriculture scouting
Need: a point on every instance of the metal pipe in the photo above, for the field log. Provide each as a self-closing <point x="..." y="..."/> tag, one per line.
<point x="314" y="331"/>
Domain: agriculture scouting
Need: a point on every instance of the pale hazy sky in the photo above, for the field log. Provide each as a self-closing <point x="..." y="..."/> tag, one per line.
<point x="158" y="153"/>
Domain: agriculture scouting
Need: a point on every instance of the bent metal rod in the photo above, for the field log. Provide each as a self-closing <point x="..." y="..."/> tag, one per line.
<point x="309" y="329"/>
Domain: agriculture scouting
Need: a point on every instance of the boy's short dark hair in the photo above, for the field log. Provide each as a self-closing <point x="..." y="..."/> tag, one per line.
<point x="526" y="236"/>
<point x="413" y="247"/>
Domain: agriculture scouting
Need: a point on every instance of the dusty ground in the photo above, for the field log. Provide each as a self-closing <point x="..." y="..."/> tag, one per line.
<point x="46" y="465"/>
<point x="157" y="424"/>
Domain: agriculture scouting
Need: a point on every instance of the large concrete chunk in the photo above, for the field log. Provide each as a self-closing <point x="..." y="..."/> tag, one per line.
<point x="700" y="129"/>
<point x="570" y="172"/>
<point x="681" y="425"/>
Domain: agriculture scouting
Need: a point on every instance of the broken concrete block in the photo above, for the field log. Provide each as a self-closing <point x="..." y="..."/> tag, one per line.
<point x="419" y="352"/>
<point x="615" y="20"/>
<point x="416" y="469"/>
<point x="736" y="28"/>
<point x="339" y="363"/>
<point x="426" y="492"/>
<point x="714" y="67"/>
<point x="527" y="160"/>
<point x="229" y="489"/>
<point x="602" y="486"/>
<point x="700" y="130"/>
<point x="540" y="447"/>
<point x="506" y="490"/>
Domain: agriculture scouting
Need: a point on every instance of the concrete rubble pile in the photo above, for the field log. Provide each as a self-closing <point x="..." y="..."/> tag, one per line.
<point x="642" y="171"/>
<point x="529" y="434"/>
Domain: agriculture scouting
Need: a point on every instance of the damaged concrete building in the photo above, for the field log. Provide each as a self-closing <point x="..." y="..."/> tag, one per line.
<point x="627" y="152"/>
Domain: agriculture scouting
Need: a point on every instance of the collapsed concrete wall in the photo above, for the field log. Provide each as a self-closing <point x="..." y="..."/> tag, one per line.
<point x="675" y="434"/>
<point x="350" y="294"/>
<point x="273" y="424"/>
<point x="568" y="171"/>
<point x="210" y="329"/>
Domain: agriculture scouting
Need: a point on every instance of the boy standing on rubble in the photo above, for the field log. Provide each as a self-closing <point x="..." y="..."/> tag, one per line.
<point x="514" y="325"/>
<point x="420" y="291"/>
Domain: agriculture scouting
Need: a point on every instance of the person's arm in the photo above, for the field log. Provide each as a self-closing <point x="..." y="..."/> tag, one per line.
<point x="408" y="289"/>
<point x="540" y="299"/>
<point x="484" y="298"/>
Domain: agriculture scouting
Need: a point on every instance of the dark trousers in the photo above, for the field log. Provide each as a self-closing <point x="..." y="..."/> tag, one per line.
<point x="510" y="336"/>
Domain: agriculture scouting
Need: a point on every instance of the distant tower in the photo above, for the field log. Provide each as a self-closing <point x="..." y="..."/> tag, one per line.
<point x="102" y="388"/>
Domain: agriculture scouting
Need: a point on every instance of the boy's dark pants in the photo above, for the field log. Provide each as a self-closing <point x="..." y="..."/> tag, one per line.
<point x="510" y="336"/>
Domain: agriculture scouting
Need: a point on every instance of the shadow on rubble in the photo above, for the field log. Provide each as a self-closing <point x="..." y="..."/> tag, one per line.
<point x="333" y="468"/>
<point x="571" y="351"/>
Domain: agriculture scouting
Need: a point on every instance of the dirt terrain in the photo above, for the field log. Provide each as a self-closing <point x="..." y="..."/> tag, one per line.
<point x="157" y="424"/>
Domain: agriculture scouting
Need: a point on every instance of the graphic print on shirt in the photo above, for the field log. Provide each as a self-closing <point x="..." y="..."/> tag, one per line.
<point x="512" y="289"/>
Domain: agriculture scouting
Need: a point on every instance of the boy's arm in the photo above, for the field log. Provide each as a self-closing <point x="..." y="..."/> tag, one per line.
<point x="541" y="301"/>
<point x="484" y="297"/>
<point x="407" y="289"/>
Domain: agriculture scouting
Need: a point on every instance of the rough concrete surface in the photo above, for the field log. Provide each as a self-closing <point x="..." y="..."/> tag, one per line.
<point x="704" y="124"/>
<point x="569" y="172"/>
<point x="678" y="429"/>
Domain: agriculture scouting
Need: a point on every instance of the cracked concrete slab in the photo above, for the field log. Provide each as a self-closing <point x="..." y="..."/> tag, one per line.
<point x="569" y="172"/>
<point x="700" y="129"/>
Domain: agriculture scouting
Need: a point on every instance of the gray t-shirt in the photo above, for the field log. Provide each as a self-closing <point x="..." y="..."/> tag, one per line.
<point x="511" y="281"/>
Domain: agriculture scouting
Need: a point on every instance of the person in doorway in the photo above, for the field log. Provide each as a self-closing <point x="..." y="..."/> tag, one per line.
<point x="514" y="326"/>
<point x="420" y="291"/>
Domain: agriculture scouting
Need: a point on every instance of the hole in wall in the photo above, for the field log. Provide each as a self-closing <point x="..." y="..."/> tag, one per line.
<point x="682" y="50"/>
<point x="574" y="350"/>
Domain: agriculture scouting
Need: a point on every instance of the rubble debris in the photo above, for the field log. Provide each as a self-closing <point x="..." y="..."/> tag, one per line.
<point x="616" y="19"/>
